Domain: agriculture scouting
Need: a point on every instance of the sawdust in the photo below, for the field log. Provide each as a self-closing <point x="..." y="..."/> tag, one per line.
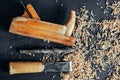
<point x="10" y="46"/>
<point x="97" y="55"/>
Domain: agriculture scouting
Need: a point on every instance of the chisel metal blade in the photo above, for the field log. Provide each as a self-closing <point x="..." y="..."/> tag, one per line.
<point x="58" y="67"/>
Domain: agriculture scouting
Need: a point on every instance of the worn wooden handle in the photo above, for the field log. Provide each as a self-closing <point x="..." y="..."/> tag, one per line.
<point x="25" y="67"/>
<point x="71" y="23"/>
<point x="33" y="12"/>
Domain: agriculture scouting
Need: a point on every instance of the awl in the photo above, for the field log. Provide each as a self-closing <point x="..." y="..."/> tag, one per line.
<point x="36" y="67"/>
<point x="58" y="51"/>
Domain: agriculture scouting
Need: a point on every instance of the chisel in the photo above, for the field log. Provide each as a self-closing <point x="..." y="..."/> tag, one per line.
<point x="36" y="67"/>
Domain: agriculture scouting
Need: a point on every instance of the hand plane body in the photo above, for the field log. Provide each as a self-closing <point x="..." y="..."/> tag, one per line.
<point x="36" y="28"/>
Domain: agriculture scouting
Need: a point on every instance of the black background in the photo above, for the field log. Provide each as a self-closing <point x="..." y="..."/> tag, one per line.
<point x="48" y="10"/>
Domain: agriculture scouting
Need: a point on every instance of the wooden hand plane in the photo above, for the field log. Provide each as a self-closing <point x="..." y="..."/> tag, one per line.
<point x="30" y="25"/>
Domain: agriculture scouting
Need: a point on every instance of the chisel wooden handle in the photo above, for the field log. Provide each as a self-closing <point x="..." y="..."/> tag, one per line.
<point x="25" y="67"/>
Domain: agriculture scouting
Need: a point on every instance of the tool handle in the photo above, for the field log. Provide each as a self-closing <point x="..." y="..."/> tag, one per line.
<point x="33" y="12"/>
<point x="25" y="67"/>
<point x="71" y="23"/>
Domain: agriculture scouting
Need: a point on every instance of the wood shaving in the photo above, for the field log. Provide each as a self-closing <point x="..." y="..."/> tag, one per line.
<point x="115" y="7"/>
<point x="11" y="47"/>
<point x="97" y="55"/>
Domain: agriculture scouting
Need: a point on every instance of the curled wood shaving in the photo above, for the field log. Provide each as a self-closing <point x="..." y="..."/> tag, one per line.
<point x="97" y="54"/>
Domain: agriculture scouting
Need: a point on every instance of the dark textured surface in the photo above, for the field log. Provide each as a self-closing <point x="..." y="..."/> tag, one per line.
<point x="49" y="10"/>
